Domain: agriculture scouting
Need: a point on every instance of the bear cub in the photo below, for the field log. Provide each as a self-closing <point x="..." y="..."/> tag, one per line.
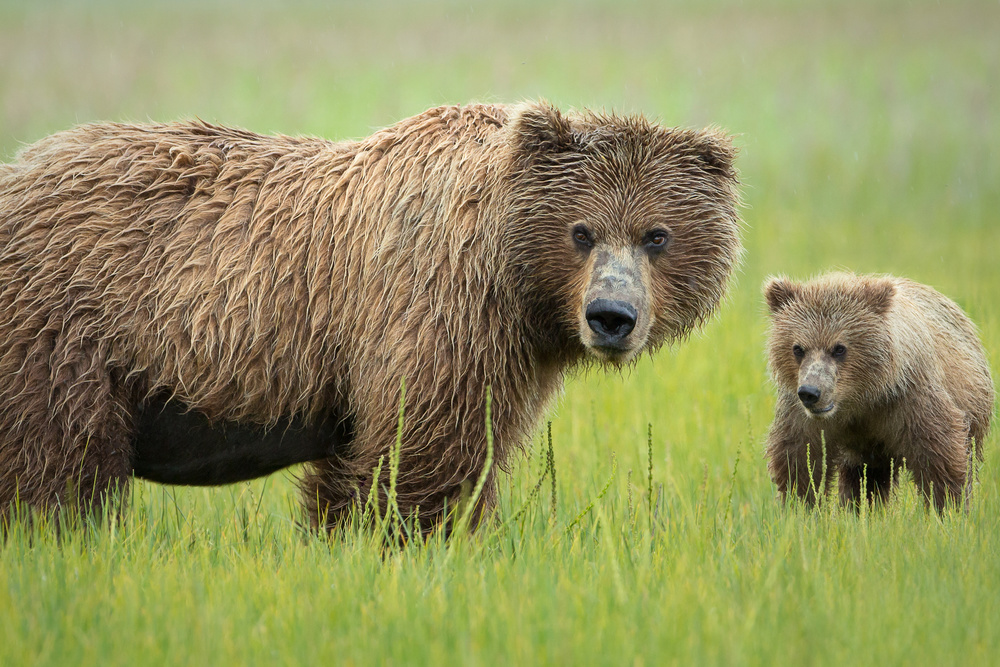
<point x="874" y="372"/>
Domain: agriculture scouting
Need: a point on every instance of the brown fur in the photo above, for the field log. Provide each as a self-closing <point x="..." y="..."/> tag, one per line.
<point x="912" y="385"/>
<point x="256" y="279"/>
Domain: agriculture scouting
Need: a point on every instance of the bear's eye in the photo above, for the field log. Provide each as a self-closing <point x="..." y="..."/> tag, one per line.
<point x="838" y="351"/>
<point x="582" y="236"/>
<point x="798" y="352"/>
<point x="657" y="239"/>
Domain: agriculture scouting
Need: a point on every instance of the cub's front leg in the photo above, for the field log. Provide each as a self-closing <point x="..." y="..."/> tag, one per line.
<point x="937" y="448"/>
<point x="798" y="456"/>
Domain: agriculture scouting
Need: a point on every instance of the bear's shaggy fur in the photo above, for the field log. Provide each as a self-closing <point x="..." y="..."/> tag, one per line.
<point x="882" y="370"/>
<point x="198" y="304"/>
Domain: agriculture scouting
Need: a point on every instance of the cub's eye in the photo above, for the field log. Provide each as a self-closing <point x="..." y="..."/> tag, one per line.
<point x="798" y="351"/>
<point x="838" y="351"/>
<point x="657" y="239"/>
<point x="582" y="236"/>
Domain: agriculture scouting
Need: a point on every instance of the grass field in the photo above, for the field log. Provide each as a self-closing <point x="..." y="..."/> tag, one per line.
<point x="870" y="136"/>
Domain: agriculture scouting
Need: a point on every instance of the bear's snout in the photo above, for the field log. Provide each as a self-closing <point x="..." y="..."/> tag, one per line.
<point x="809" y="395"/>
<point x="614" y="318"/>
<point x="611" y="320"/>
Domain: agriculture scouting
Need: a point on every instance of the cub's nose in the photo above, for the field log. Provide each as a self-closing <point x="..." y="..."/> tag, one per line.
<point x="611" y="320"/>
<point x="809" y="394"/>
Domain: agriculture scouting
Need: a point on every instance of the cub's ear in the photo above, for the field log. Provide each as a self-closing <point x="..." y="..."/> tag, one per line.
<point x="878" y="294"/>
<point x="779" y="292"/>
<point x="716" y="151"/>
<point x="540" y="128"/>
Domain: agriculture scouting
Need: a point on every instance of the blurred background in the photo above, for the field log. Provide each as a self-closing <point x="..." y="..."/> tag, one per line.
<point x="854" y="117"/>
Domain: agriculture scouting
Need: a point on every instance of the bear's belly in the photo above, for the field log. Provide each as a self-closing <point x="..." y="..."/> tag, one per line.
<point x="174" y="445"/>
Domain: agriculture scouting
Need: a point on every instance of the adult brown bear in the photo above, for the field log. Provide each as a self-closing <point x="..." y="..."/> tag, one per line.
<point x="198" y="305"/>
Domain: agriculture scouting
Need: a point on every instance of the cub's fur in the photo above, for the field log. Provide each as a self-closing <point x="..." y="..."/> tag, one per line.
<point x="882" y="370"/>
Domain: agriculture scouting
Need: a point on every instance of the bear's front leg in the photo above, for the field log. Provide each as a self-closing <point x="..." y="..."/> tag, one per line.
<point x="937" y="449"/>
<point x="798" y="466"/>
<point x="796" y="463"/>
<point x="795" y="454"/>
<point x="334" y="488"/>
<point x="441" y="458"/>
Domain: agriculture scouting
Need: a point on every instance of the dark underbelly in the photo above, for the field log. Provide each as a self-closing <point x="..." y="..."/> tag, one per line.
<point x="174" y="445"/>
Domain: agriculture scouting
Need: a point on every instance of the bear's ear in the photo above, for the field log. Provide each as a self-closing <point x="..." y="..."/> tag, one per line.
<point x="716" y="152"/>
<point x="540" y="128"/>
<point x="779" y="292"/>
<point x="878" y="295"/>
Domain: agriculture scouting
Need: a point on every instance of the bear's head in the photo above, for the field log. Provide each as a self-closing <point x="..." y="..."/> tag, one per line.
<point x="623" y="233"/>
<point x="829" y="343"/>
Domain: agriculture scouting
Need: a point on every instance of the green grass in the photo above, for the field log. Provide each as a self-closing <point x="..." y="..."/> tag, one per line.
<point x="869" y="135"/>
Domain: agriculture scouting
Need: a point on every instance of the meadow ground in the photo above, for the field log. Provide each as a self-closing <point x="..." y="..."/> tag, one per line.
<point x="869" y="135"/>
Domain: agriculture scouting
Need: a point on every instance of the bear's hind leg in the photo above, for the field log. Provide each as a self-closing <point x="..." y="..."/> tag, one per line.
<point x="65" y="428"/>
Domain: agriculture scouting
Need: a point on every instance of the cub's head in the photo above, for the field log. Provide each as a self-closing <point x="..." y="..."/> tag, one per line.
<point x="623" y="234"/>
<point x="829" y="342"/>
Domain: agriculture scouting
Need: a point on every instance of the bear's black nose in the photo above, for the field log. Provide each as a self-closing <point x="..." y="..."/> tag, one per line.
<point x="611" y="320"/>
<point x="809" y="394"/>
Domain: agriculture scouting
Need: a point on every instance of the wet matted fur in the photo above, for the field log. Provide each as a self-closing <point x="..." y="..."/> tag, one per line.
<point x="198" y="304"/>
